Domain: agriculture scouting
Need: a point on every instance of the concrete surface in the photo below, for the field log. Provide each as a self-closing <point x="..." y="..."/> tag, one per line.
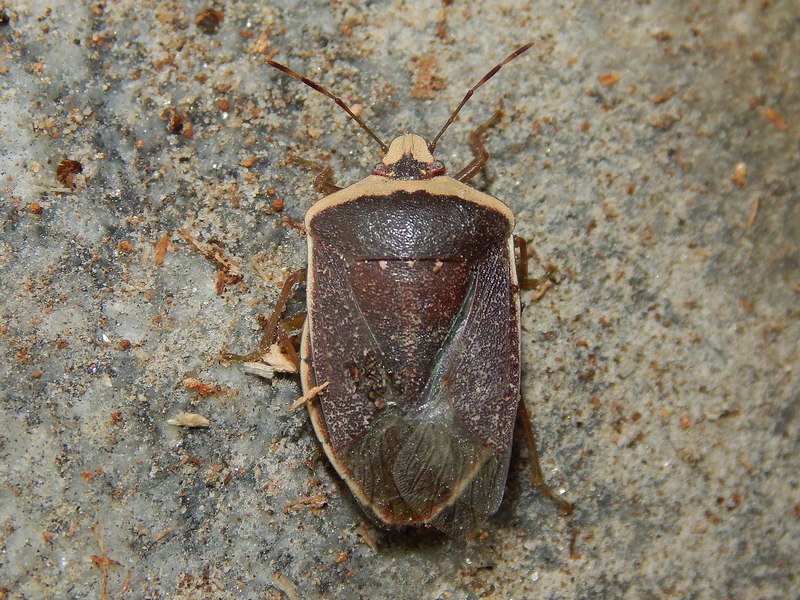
<point x="650" y="151"/>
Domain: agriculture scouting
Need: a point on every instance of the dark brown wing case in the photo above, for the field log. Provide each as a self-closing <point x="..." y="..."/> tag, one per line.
<point x="413" y="322"/>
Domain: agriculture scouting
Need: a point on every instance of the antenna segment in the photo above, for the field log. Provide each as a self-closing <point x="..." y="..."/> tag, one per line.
<point x="315" y="86"/>
<point x="471" y="91"/>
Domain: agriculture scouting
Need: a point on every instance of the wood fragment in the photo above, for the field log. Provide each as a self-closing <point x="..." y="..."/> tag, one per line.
<point x="104" y="562"/>
<point x="751" y="219"/>
<point x="191" y="420"/>
<point x="258" y="369"/>
<point x="309" y="396"/>
<point x="280" y="581"/>
<point x="228" y="272"/>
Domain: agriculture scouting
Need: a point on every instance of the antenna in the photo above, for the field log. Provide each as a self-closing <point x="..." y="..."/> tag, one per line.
<point x="468" y="95"/>
<point x="315" y="86"/>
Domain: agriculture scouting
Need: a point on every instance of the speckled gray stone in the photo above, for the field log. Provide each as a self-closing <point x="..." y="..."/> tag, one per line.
<point x="651" y="153"/>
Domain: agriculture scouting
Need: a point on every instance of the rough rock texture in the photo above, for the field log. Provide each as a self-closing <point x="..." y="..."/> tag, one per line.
<point x="650" y="151"/>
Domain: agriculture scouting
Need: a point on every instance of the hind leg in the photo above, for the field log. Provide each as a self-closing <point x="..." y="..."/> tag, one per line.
<point x="537" y="476"/>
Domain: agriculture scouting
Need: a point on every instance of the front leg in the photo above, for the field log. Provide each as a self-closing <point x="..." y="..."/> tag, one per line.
<point x="323" y="183"/>
<point x="479" y="153"/>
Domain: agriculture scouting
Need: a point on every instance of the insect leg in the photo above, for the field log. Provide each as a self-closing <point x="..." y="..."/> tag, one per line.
<point x="537" y="477"/>
<point x="323" y="183"/>
<point x="274" y="328"/>
<point x="525" y="282"/>
<point x="479" y="153"/>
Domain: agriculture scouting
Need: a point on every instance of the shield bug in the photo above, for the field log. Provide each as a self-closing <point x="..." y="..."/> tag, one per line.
<point x="410" y="352"/>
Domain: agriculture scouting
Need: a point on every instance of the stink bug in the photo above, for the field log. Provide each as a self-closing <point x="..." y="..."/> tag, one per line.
<point x="410" y="353"/>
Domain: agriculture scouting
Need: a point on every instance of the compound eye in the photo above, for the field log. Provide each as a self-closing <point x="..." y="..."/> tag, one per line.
<point x="436" y="168"/>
